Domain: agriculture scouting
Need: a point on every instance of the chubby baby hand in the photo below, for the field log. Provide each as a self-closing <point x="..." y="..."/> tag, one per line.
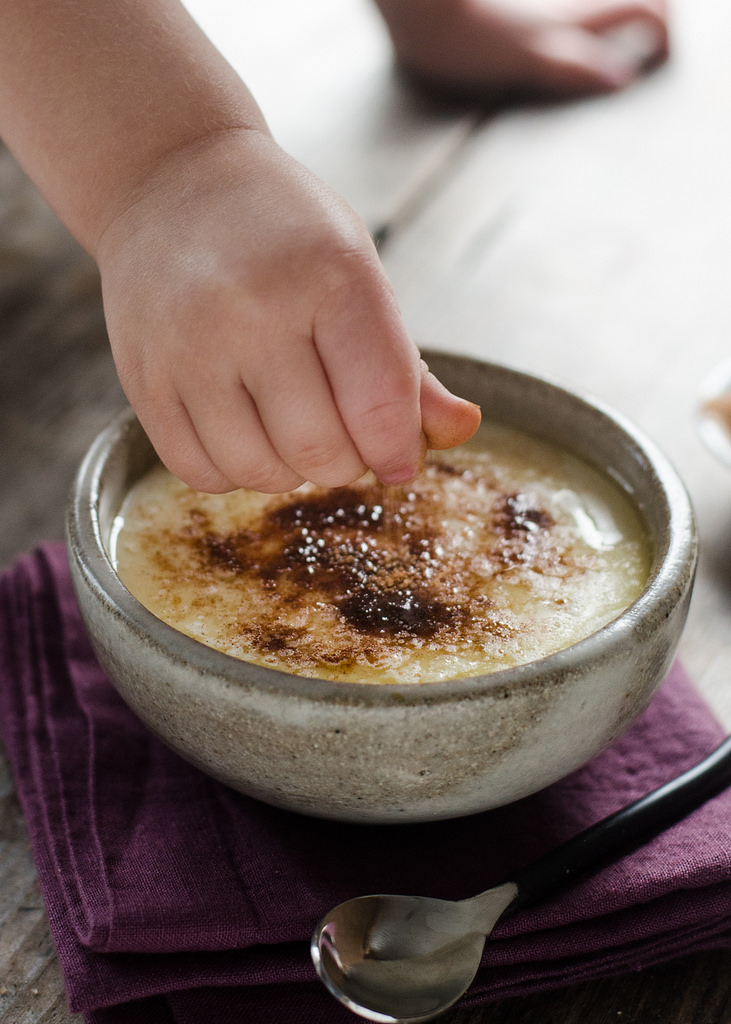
<point x="255" y="333"/>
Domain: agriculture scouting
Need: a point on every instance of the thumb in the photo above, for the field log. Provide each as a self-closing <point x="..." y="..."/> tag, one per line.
<point x="446" y="420"/>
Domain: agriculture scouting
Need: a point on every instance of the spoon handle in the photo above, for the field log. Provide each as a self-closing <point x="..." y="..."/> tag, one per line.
<point x="625" y="830"/>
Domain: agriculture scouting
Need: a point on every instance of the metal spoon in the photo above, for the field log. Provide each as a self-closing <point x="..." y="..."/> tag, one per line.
<point x="403" y="959"/>
<point x="713" y="414"/>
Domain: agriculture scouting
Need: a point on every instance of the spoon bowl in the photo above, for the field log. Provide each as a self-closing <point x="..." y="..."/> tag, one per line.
<point x="405" y="958"/>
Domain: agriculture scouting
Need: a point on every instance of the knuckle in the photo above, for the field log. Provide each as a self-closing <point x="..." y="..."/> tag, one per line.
<point x="199" y="474"/>
<point x="275" y="478"/>
<point x="329" y="464"/>
<point x="219" y="474"/>
<point x="316" y="455"/>
<point x="390" y="438"/>
<point x="388" y="419"/>
<point x="340" y="475"/>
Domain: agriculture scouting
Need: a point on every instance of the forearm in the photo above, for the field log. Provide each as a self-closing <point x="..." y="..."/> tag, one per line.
<point x="95" y="94"/>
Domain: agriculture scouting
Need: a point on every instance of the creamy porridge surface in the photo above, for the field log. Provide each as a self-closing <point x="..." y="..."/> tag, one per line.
<point x="502" y="551"/>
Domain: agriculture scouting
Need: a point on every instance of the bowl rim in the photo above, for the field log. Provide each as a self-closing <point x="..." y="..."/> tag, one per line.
<point x="671" y="574"/>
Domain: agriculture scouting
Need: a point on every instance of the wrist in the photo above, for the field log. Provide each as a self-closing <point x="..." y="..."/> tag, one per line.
<point x="182" y="175"/>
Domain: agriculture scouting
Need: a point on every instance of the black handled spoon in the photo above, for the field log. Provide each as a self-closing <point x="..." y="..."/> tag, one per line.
<point x="403" y="959"/>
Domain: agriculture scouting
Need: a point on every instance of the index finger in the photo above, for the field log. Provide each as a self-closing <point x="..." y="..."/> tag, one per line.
<point x="374" y="372"/>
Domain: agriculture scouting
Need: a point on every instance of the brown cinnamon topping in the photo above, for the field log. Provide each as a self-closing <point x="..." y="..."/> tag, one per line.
<point x="481" y="563"/>
<point x="379" y="570"/>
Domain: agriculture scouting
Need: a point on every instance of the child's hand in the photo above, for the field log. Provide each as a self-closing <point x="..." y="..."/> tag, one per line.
<point x="254" y="330"/>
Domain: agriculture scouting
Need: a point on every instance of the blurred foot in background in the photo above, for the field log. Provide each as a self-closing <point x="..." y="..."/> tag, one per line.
<point x="482" y="49"/>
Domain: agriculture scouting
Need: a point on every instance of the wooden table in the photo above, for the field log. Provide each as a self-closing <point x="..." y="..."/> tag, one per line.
<point x="589" y="241"/>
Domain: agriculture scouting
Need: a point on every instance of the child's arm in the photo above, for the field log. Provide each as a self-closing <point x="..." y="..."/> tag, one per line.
<point x="251" y="323"/>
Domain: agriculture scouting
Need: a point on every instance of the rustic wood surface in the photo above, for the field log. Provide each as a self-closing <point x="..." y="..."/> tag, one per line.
<point x="588" y="241"/>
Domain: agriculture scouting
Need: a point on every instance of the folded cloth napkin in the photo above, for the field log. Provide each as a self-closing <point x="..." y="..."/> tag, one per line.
<point x="172" y="898"/>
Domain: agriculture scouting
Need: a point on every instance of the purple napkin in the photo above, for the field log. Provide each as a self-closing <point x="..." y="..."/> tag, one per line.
<point x="172" y="898"/>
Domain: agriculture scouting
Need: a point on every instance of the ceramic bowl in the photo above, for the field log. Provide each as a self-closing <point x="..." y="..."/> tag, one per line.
<point x="398" y="753"/>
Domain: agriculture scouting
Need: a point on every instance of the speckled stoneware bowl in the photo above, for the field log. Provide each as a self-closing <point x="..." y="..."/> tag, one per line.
<point x="398" y="753"/>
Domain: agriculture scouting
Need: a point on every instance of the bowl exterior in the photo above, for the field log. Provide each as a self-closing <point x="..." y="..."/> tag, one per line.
<point x="396" y="753"/>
